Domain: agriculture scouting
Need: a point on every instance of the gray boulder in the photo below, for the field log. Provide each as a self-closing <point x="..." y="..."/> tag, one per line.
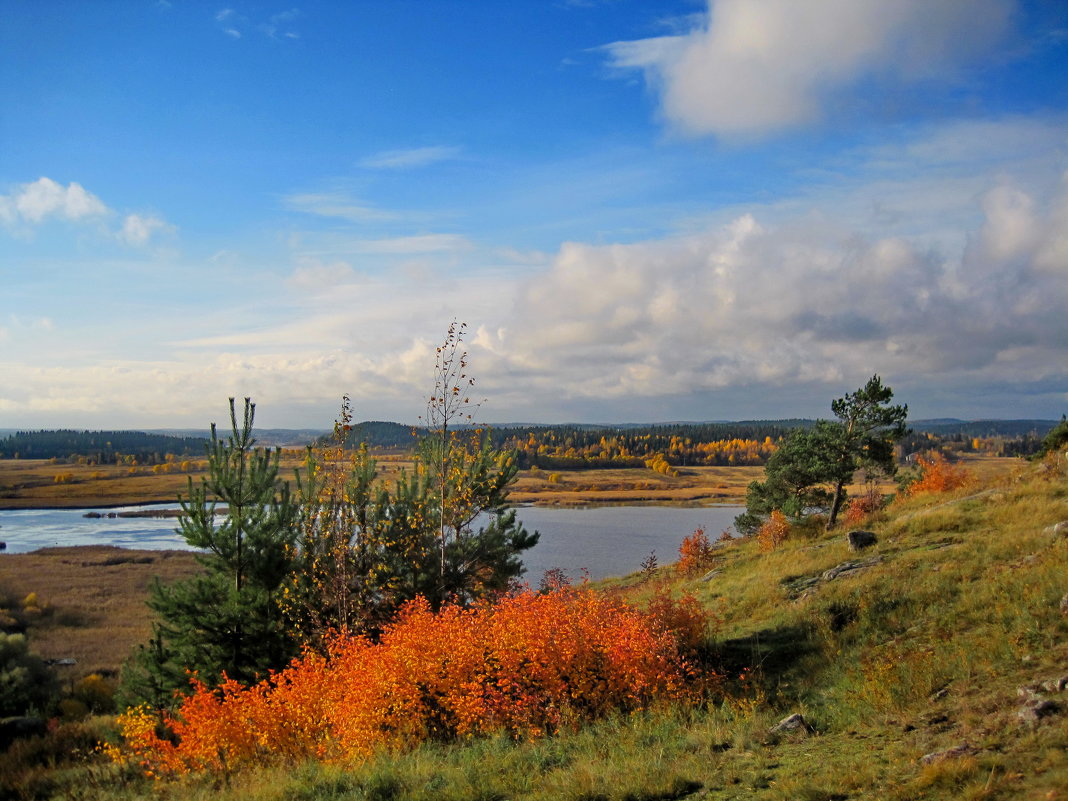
<point x="847" y="568"/>
<point x="1036" y="709"/>
<point x="1057" y="685"/>
<point x="794" y="722"/>
<point x="950" y="753"/>
<point x="859" y="540"/>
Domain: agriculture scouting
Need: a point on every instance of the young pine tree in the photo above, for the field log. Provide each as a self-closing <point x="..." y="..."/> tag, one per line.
<point x="226" y="619"/>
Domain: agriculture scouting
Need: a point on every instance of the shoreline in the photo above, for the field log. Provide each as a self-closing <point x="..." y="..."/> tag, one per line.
<point x="555" y="503"/>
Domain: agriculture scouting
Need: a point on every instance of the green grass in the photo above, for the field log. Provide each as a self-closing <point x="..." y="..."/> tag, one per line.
<point x="917" y="653"/>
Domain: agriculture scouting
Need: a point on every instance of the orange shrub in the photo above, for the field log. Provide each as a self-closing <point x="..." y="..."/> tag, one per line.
<point x="695" y="554"/>
<point x="531" y="665"/>
<point x="773" y="532"/>
<point x="938" y="475"/>
<point x="862" y="507"/>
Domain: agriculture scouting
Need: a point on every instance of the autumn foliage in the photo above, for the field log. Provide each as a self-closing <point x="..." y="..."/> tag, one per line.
<point x="938" y="475"/>
<point x="695" y="553"/>
<point x="859" y="509"/>
<point x="530" y="665"/>
<point x="773" y="532"/>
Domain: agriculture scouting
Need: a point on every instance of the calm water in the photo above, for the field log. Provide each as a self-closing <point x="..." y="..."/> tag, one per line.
<point x="606" y="540"/>
<point x="28" y="529"/>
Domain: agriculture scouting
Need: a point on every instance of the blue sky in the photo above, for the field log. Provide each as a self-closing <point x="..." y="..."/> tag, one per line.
<point x="643" y="211"/>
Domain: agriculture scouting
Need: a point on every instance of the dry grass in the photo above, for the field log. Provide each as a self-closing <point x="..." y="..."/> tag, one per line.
<point x="30" y="483"/>
<point x="91" y="600"/>
<point x="576" y="487"/>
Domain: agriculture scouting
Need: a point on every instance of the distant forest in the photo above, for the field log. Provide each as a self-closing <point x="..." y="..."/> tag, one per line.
<point x="560" y="447"/>
<point x="100" y="447"/>
<point x="747" y="442"/>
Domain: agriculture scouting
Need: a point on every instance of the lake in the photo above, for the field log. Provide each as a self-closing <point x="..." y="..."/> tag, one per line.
<point x="605" y="540"/>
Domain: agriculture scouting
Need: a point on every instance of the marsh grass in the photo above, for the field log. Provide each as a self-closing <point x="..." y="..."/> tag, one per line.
<point x="92" y="601"/>
<point x="26" y="483"/>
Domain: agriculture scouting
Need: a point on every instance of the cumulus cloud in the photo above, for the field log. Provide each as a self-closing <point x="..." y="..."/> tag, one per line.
<point x="802" y="300"/>
<point x="44" y="198"/>
<point x="409" y="158"/>
<point x="751" y="309"/>
<point x="757" y="66"/>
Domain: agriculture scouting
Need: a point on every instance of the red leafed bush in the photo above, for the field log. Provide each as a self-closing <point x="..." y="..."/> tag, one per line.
<point x="862" y="507"/>
<point x="696" y="554"/>
<point x="531" y="664"/>
<point x="938" y="475"/>
<point x="773" y="532"/>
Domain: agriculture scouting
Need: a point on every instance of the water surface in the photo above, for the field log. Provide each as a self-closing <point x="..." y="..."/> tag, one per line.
<point x="603" y="540"/>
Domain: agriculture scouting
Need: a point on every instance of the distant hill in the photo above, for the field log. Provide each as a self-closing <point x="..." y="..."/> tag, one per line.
<point x="385" y="434"/>
<point x="377" y="433"/>
<point x="268" y="437"/>
<point x="104" y="447"/>
<point x="984" y="428"/>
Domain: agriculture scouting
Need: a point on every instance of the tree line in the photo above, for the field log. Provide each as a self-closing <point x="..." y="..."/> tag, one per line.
<point x="98" y="447"/>
<point x="744" y="443"/>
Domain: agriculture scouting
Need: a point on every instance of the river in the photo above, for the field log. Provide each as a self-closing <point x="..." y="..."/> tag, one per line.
<point x="603" y="540"/>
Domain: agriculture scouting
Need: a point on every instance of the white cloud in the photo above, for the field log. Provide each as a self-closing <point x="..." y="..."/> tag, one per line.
<point x="138" y="229"/>
<point x="749" y="309"/>
<point x="802" y="300"/>
<point x="409" y="158"/>
<point x="27" y="329"/>
<point x="277" y="22"/>
<point x="954" y="288"/>
<point x="315" y="274"/>
<point x="757" y="66"/>
<point x="278" y="25"/>
<point x="335" y="204"/>
<point x="424" y="243"/>
<point x="45" y="198"/>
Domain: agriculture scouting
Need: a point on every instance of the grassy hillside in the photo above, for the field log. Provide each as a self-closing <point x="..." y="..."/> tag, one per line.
<point x="932" y="665"/>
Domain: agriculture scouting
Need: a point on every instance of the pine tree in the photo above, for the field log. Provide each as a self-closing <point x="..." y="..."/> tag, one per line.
<point x="225" y="620"/>
<point x="812" y="467"/>
<point x="868" y="429"/>
<point x="795" y="477"/>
